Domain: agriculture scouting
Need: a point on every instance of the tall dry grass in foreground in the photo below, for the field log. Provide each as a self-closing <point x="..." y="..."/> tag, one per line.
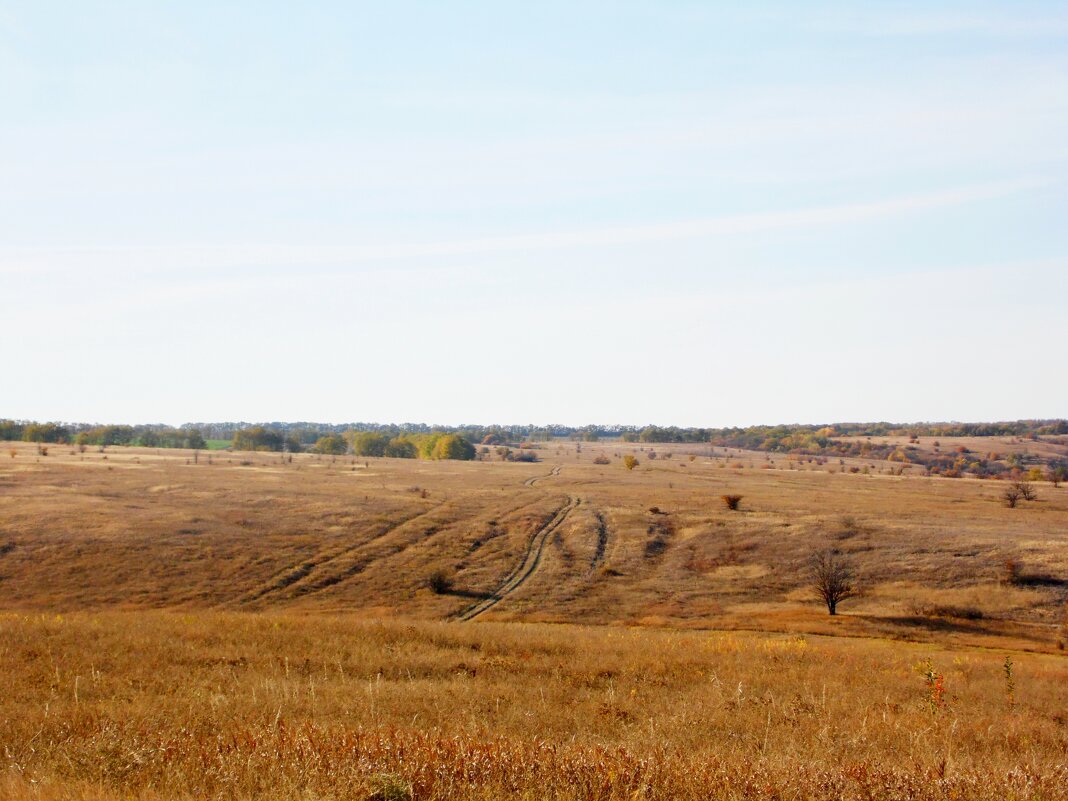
<point x="146" y="705"/>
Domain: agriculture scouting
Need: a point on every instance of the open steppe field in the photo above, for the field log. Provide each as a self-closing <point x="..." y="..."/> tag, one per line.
<point x="559" y="540"/>
<point x="243" y="625"/>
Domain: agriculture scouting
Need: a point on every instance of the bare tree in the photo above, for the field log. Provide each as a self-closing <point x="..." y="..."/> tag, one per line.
<point x="1011" y="495"/>
<point x="1027" y="491"/>
<point x="831" y="578"/>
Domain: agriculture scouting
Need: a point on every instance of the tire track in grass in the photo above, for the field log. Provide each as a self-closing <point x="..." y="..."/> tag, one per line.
<point x="298" y="573"/>
<point x="379" y="550"/>
<point x="528" y="565"/>
<point x="530" y="482"/>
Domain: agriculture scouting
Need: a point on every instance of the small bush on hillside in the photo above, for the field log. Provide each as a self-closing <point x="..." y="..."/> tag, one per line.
<point x="1011" y="496"/>
<point x="523" y="456"/>
<point x="630" y="462"/>
<point x="601" y="460"/>
<point x="946" y="610"/>
<point x="1010" y="571"/>
<point x="440" y="582"/>
<point x="731" y="501"/>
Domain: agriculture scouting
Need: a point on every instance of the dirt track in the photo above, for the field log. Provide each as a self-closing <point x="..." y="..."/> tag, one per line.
<point x="526" y="568"/>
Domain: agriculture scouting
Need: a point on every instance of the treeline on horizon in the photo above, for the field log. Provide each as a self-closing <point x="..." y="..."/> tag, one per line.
<point x="421" y="440"/>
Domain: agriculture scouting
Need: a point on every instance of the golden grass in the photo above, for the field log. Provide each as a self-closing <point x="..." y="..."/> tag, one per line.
<point x="302" y="653"/>
<point x="151" y="705"/>
<point x="138" y="528"/>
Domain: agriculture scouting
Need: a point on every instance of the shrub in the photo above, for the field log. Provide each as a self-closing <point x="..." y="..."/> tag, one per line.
<point x="1010" y="571"/>
<point x="523" y="456"/>
<point x="630" y="462"/>
<point x="601" y="460"/>
<point x="1011" y="495"/>
<point x="731" y="501"/>
<point x="440" y="582"/>
<point x="945" y="610"/>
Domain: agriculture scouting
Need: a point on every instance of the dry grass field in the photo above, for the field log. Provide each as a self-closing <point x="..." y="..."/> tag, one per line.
<point x="228" y="705"/>
<point x="251" y="627"/>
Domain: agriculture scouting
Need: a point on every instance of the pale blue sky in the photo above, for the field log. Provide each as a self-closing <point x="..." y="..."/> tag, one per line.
<point x="687" y="213"/>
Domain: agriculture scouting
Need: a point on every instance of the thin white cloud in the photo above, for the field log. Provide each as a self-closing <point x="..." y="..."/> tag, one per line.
<point x="898" y="23"/>
<point x="187" y="258"/>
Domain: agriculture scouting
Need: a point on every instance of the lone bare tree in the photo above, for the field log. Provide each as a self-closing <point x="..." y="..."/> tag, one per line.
<point x="831" y="578"/>
<point x="1011" y="495"/>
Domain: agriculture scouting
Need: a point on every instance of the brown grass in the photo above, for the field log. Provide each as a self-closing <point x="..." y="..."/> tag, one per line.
<point x="223" y="705"/>
<point x="303" y="654"/>
<point x="145" y="528"/>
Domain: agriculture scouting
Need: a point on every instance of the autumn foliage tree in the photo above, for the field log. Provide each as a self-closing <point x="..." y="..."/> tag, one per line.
<point x="453" y="446"/>
<point x="332" y="444"/>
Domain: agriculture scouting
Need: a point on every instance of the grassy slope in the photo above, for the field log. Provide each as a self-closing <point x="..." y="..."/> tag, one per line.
<point x="146" y="528"/>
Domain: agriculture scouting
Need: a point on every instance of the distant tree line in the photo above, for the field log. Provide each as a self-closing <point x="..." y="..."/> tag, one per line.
<point x="148" y="436"/>
<point x="433" y="445"/>
<point x="782" y="438"/>
<point x="412" y="440"/>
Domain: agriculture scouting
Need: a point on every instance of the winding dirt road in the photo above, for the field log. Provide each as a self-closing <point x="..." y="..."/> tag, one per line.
<point x="530" y="482"/>
<point x="526" y="568"/>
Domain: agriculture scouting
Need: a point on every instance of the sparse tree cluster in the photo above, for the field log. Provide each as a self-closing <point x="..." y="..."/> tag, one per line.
<point x="1018" y="491"/>
<point x="437" y="445"/>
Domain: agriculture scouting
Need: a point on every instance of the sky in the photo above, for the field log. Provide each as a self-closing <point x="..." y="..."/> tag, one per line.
<point x="680" y="213"/>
